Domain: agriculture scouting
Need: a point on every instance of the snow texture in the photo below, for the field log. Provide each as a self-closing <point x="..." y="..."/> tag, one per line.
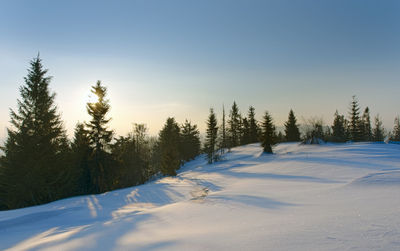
<point x="303" y="197"/>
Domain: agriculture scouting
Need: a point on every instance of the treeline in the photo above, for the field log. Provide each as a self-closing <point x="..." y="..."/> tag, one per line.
<point x="40" y="164"/>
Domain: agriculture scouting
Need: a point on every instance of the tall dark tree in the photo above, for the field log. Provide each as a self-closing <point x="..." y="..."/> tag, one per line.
<point x="396" y="129"/>
<point x="339" y="128"/>
<point x="100" y="137"/>
<point x="355" y="121"/>
<point x="253" y="126"/>
<point x="268" y="133"/>
<point x="366" y="125"/>
<point x="169" y="143"/>
<point x="190" y="141"/>
<point x="245" y="135"/>
<point x="378" y="131"/>
<point x="234" y="126"/>
<point x="224" y="143"/>
<point x="34" y="167"/>
<point x="292" y="132"/>
<point x="210" y="146"/>
<point x="81" y="152"/>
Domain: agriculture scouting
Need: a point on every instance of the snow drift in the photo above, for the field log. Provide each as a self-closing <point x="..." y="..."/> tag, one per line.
<point x="304" y="197"/>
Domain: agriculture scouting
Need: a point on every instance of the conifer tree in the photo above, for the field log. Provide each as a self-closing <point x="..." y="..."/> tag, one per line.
<point x="234" y="126"/>
<point x="253" y="126"/>
<point x="245" y="137"/>
<point x="99" y="137"/>
<point x="34" y="167"/>
<point x="211" y="138"/>
<point x="355" y="122"/>
<point x="396" y="129"/>
<point x="81" y="152"/>
<point x="224" y="144"/>
<point x="378" y="131"/>
<point x="190" y="141"/>
<point x="366" y="125"/>
<point x="339" y="128"/>
<point x="268" y="133"/>
<point x="292" y="132"/>
<point x="169" y="143"/>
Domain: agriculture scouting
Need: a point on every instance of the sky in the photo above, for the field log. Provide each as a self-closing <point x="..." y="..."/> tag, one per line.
<point x="179" y="58"/>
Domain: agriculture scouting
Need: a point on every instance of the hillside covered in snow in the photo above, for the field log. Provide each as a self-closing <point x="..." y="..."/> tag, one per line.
<point x="327" y="197"/>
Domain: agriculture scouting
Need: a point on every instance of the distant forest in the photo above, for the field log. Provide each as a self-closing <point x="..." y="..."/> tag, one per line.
<point x="40" y="164"/>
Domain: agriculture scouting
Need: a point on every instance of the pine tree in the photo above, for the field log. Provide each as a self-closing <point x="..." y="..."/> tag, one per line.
<point x="291" y="129"/>
<point x="245" y="135"/>
<point x="253" y="126"/>
<point x="378" y="131"/>
<point x="211" y="138"/>
<point x="366" y="125"/>
<point x="224" y="144"/>
<point x="268" y="133"/>
<point x="190" y="141"/>
<point x="234" y="126"/>
<point x="34" y="168"/>
<point x="355" y="122"/>
<point x="396" y="129"/>
<point x="100" y="137"/>
<point x="339" y="128"/>
<point x="169" y="143"/>
<point x="81" y="153"/>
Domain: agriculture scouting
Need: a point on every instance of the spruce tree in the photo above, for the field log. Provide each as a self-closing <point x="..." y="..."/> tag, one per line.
<point x="211" y="138"/>
<point x="253" y="126"/>
<point x="268" y="133"/>
<point x="292" y="132"/>
<point x="81" y="152"/>
<point x="245" y="137"/>
<point x="224" y="144"/>
<point x="378" y="131"/>
<point x="339" y="128"/>
<point x="99" y="137"/>
<point x="396" y="129"/>
<point x="355" y="121"/>
<point x="190" y="141"/>
<point x="366" y="125"/>
<point x="34" y="167"/>
<point x="234" y="126"/>
<point x="170" y="145"/>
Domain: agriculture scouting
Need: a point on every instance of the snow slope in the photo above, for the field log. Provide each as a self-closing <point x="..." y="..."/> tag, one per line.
<point x="328" y="197"/>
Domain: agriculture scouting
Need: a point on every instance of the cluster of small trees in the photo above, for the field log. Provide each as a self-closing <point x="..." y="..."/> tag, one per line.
<point x="242" y="130"/>
<point x="358" y="127"/>
<point x="40" y="164"/>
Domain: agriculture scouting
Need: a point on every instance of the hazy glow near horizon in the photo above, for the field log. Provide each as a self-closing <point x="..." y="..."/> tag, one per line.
<point x="179" y="58"/>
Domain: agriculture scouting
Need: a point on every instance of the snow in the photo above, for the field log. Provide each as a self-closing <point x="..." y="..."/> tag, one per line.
<point x="304" y="197"/>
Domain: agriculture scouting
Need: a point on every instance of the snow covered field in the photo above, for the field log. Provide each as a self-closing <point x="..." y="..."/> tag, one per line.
<point x="329" y="197"/>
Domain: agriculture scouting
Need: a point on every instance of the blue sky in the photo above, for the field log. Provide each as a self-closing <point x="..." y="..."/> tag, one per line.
<point x="179" y="58"/>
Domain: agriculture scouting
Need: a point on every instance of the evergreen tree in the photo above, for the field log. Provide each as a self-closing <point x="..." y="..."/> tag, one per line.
<point x="396" y="129"/>
<point x="339" y="128"/>
<point x="224" y="144"/>
<point x="378" y="131"/>
<point x="355" y="122"/>
<point x="81" y="153"/>
<point x="366" y="125"/>
<point x="268" y="133"/>
<point x="291" y="129"/>
<point x="99" y="137"/>
<point x="234" y="126"/>
<point x="211" y="138"/>
<point x="35" y="168"/>
<point x="169" y="143"/>
<point x="253" y="126"/>
<point x="190" y="141"/>
<point x="245" y="137"/>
